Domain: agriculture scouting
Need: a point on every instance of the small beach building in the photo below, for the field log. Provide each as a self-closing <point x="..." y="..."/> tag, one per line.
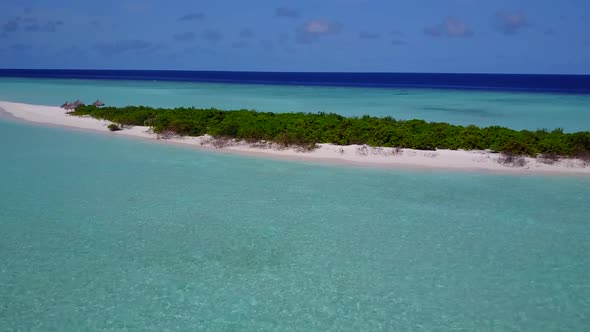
<point x="98" y="103"/>
<point x="70" y="107"/>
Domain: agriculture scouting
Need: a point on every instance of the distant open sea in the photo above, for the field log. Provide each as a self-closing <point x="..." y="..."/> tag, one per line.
<point x="502" y="82"/>
<point x="99" y="232"/>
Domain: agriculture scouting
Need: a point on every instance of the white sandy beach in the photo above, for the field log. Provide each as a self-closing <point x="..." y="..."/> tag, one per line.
<point x="352" y="154"/>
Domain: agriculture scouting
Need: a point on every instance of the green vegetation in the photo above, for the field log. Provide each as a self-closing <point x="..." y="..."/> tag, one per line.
<point x="306" y="129"/>
<point x="113" y="127"/>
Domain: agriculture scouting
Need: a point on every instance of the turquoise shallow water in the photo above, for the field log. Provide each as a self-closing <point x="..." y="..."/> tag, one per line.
<point x="482" y="108"/>
<point x="99" y="232"/>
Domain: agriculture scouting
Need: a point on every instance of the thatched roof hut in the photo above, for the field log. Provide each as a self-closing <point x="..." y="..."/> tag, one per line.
<point x="64" y="104"/>
<point x="98" y="103"/>
<point x="78" y="103"/>
<point x="69" y="107"/>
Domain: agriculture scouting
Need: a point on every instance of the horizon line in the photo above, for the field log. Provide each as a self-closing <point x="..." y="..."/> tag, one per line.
<point x="293" y="72"/>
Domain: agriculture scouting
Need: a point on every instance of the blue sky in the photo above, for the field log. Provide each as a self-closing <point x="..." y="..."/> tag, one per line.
<point x="493" y="36"/>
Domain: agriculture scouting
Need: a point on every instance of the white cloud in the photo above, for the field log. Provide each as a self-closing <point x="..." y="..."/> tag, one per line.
<point x="316" y="28"/>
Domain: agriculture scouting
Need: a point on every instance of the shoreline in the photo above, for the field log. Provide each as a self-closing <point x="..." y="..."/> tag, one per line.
<point x="355" y="155"/>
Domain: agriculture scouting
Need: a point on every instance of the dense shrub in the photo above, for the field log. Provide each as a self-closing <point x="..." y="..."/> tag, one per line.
<point x="512" y="160"/>
<point x="548" y="158"/>
<point x="113" y="127"/>
<point x="585" y="158"/>
<point x="308" y="129"/>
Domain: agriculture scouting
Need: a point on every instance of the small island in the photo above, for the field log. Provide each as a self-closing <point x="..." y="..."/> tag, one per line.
<point x="306" y="130"/>
<point x="332" y="138"/>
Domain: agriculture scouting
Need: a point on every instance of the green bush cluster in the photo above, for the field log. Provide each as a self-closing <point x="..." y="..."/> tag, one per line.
<point x="307" y="129"/>
<point x="113" y="127"/>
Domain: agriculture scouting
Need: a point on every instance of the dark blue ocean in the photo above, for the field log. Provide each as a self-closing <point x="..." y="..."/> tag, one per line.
<point x="503" y="82"/>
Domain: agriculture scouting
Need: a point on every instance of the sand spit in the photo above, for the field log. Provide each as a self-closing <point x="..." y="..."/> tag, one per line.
<point x="326" y="153"/>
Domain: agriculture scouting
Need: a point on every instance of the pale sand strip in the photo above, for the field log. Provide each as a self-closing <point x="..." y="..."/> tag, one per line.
<point x="352" y="154"/>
